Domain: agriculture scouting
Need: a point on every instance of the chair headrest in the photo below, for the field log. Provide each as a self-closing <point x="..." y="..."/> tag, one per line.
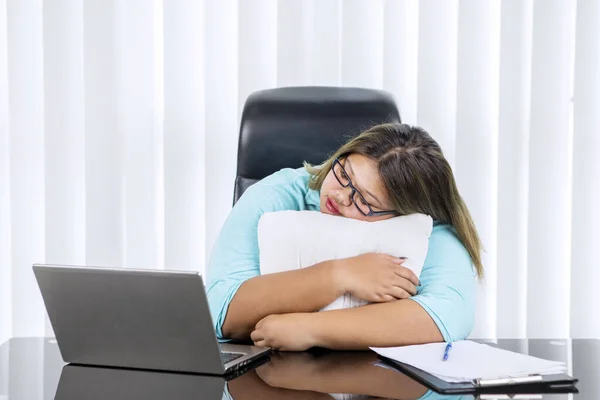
<point x="285" y="126"/>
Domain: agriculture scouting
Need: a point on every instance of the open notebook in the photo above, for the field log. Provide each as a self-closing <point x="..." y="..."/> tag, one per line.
<point x="469" y="360"/>
<point x="471" y="365"/>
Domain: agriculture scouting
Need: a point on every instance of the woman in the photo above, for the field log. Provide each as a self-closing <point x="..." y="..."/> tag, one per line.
<point x="388" y="170"/>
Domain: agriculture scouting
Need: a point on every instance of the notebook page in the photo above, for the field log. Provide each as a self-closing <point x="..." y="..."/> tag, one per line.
<point x="470" y="360"/>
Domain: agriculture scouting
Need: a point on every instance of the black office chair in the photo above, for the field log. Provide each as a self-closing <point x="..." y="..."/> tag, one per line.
<point x="283" y="127"/>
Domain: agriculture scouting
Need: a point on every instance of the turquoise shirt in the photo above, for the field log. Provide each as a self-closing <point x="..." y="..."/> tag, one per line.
<point x="447" y="290"/>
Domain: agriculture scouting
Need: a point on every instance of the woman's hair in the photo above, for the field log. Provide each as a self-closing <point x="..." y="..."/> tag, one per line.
<point x="415" y="174"/>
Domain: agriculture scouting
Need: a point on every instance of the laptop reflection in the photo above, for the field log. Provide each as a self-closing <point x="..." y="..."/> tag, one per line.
<point x="91" y="383"/>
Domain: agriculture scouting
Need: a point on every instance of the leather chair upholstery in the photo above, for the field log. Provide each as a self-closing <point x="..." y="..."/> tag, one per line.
<point x="285" y="126"/>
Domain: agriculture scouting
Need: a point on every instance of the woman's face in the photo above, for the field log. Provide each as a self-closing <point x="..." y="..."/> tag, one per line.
<point x="363" y="174"/>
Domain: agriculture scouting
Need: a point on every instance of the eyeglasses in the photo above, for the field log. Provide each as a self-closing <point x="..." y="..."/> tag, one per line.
<point x="342" y="177"/>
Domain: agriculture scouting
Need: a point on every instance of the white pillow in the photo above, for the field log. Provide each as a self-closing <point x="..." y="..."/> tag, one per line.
<point x="289" y="240"/>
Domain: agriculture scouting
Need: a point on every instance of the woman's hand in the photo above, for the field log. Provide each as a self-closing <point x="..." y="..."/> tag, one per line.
<point x="289" y="332"/>
<point x="376" y="277"/>
<point x="288" y="370"/>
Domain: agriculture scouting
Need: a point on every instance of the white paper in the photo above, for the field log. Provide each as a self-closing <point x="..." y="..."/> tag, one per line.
<point x="470" y="360"/>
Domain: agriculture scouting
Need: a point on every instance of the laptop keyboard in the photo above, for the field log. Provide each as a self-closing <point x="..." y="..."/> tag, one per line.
<point x="228" y="357"/>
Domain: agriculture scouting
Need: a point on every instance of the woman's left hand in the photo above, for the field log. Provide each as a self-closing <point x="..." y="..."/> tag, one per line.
<point x="287" y="332"/>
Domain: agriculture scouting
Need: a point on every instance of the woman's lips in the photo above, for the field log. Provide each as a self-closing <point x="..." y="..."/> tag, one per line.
<point x="332" y="207"/>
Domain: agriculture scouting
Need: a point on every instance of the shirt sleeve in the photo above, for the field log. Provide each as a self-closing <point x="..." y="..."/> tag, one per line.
<point x="447" y="290"/>
<point x="235" y="257"/>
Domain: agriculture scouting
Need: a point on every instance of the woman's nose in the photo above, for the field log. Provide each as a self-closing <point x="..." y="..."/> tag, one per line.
<point x="342" y="196"/>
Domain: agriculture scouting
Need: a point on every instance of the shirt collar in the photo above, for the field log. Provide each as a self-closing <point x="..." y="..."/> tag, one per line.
<point x="313" y="200"/>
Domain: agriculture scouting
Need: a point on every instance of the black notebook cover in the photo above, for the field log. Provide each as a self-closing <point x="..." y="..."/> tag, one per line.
<point x="559" y="383"/>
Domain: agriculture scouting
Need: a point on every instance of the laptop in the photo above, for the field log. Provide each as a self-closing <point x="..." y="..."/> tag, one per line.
<point x="141" y="319"/>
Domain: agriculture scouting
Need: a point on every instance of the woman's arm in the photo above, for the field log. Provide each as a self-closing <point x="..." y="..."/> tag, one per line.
<point x="303" y="290"/>
<point x="397" y="323"/>
<point x="372" y="277"/>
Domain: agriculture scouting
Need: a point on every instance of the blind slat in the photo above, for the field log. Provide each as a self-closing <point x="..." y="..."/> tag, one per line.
<point x="362" y="49"/>
<point x="326" y="48"/>
<point x="513" y="163"/>
<point x="436" y="87"/>
<point x="103" y="143"/>
<point x="257" y="47"/>
<point x="222" y="120"/>
<point x="548" y="223"/>
<point x="5" y="217"/>
<point x="477" y="138"/>
<point x="400" y="55"/>
<point x="26" y="149"/>
<point x="137" y="91"/>
<point x="585" y="275"/>
<point x="295" y="38"/>
<point x="64" y="132"/>
<point x="184" y="144"/>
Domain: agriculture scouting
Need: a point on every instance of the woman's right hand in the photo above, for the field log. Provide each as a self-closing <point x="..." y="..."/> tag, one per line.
<point x="376" y="277"/>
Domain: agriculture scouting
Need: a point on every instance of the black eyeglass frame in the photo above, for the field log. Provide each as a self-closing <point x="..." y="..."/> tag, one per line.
<point x="355" y="191"/>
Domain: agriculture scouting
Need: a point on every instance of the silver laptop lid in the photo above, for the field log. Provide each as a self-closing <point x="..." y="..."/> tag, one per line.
<point x="120" y="317"/>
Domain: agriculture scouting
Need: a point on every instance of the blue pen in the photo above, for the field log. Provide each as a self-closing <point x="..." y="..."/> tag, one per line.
<point x="447" y="351"/>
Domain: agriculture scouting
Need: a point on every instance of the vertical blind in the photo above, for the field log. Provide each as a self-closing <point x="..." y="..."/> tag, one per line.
<point x="119" y="124"/>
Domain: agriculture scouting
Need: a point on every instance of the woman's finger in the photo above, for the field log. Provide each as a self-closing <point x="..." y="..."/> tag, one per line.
<point x="396" y="260"/>
<point x="261" y="343"/>
<point x="398" y="292"/>
<point x="405" y="284"/>
<point x="407" y="274"/>
<point x="259" y="324"/>
<point x="385" y="298"/>
<point x="256" y="335"/>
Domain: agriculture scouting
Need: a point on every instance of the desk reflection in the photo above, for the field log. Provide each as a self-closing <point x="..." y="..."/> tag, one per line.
<point x="346" y="375"/>
<point x="288" y="376"/>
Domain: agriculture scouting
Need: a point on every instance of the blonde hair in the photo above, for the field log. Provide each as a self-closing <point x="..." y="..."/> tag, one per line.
<point x="416" y="175"/>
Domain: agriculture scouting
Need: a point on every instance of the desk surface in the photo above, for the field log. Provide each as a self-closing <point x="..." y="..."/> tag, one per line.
<point x="32" y="368"/>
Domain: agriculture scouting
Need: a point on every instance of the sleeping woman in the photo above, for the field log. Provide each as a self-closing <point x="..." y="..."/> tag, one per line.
<point x="389" y="170"/>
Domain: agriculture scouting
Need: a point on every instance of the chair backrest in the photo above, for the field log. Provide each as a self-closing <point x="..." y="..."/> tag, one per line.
<point x="283" y="127"/>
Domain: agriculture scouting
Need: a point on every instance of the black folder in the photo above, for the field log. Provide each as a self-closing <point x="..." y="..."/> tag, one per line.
<point x="557" y="383"/>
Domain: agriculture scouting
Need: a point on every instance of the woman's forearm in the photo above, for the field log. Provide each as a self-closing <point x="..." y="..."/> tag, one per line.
<point x="397" y="323"/>
<point x="303" y="290"/>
